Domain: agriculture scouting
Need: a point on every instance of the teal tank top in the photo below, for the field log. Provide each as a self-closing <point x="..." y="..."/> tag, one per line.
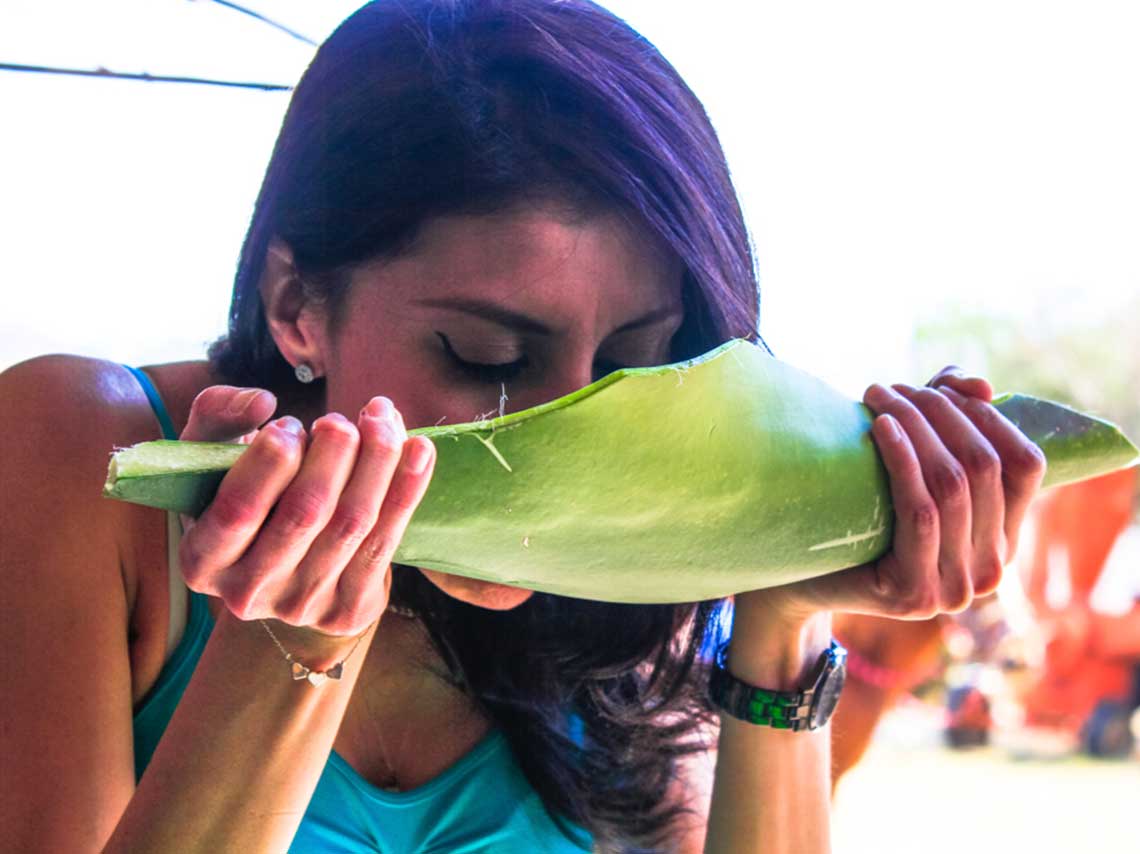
<point x="480" y="805"/>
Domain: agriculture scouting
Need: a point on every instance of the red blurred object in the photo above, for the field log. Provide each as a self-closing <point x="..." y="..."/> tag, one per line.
<point x="968" y="718"/>
<point x="1091" y="663"/>
<point x="1090" y="658"/>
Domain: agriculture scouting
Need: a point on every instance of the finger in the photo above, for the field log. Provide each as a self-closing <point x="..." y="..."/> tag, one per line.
<point x="904" y="583"/>
<point x="223" y="413"/>
<point x="261" y="580"/>
<point x="947" y="484"/>
<point x="245" y="496"/>
<point x="983" y="470"/>
<point x="372" y="561"/>
<point x="382" y="436"/>
<point x="1022" y="463"/>
<point x="958" y="379"/>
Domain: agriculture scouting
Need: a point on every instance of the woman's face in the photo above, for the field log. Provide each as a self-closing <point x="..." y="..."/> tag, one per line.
<point x="555" y="302"/>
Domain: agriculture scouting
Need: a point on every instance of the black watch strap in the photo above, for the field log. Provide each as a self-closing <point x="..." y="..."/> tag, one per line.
<point x="790" y="710"/>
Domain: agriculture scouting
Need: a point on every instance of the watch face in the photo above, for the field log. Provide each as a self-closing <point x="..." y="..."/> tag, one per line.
<point x="827" y="697"/>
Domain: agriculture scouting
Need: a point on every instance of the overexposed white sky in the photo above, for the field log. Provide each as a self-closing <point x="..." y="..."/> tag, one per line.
<point x="893" y="157"/>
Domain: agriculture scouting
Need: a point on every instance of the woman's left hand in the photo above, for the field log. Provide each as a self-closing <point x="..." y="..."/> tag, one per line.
<point x="961" y="480"/>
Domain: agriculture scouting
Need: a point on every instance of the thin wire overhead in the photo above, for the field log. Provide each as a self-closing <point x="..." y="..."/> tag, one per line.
<point x="148" y="78"/>
<point x="266" y="20"/>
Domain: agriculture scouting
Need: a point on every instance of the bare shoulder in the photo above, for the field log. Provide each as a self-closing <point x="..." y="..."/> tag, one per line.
<point x="68" y="598"/>
<point x="77" y="400"/>
<point x="61" y="416"/>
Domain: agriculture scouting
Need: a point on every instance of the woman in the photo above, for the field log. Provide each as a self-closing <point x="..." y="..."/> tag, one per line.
<point x="470" y="205"/>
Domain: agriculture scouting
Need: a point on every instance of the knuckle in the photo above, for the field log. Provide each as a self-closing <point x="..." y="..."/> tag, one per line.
<point x="894" y="604"/>
<point x="276" y="446"/>
<point x="924" y="605"/>
<point x="375" y="551"/>
<point x="193" y="567"/>
<point x="989" y="573"/>
<point x="924" y="517"/>
<point x="958" y="595"/>
<point x="949" y="483"/>
<point x="900" y="594"/>
<point x="296" y="612"/>
<point x="959" y="603"/>
<point x="300" y="511"/>
<point x="917" y="602"/>
<point x="233" y="511"/>
<point x="928" y="397"/>
<point x="401" y="499"/>
<point x="350" y="620"/>
<point x="1030" y="460"/>
<point x="902" y="409"/>
<point x="349" y="525"/>
<point x="197" y="584"/>
<point x="982" y="412"/>
<point x="982" y="462"/>
<point x="243" y="606"/>
<point x="337" y="626"/>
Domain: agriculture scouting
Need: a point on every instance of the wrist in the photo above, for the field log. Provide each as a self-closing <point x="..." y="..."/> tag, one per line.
<point x="776" y="654"/>
<point x="314" y="649"/>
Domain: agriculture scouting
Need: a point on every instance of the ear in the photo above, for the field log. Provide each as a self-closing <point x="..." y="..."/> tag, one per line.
<point x="296" y="323"/>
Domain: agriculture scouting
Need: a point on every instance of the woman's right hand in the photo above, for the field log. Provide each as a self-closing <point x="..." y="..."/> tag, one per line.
<point x="303" y="527"/>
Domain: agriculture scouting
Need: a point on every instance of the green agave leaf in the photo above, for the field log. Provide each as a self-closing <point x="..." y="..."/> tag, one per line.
<point x="732" y="471"/>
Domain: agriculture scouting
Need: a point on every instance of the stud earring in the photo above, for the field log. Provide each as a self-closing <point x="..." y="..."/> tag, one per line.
<point x="304" y="373"/>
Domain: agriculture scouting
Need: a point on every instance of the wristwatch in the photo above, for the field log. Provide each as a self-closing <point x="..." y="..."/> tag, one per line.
<point x="808" y="709"/>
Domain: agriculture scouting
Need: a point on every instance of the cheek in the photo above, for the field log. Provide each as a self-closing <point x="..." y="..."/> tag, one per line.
<point x="484" y="594"/>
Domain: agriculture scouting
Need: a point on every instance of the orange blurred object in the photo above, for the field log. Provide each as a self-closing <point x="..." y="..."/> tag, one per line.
<point x="1090" y="657"/>
<point x="1084" y="520"/>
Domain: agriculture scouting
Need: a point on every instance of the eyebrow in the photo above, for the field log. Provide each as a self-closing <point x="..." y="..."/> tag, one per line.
<point x="524" y="322"/>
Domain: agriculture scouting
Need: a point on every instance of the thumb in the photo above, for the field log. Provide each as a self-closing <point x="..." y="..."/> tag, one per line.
<point x="855" y="590"/>
<point x="223" y="413"/>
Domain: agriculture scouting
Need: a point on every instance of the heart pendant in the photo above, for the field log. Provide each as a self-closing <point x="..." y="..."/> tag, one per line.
<point x="335" y="672"/>
<point x="316" y="679"/>
<point x="300" y="671"/>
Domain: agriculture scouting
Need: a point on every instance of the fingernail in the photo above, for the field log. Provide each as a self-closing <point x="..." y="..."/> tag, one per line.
<point x="892" y="428"/>
<point x="418" y="455"/>
<point x="378" y="407"/>
<point x="902" y="388"/>
<point x="290" y="425"/>
<point x="978" y="387"/>
<point x="242" y="401"/>
<point x="877" y="395"/>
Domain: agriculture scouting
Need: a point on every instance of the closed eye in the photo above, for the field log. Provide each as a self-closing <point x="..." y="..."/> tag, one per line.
<point x="500" y="372"/>
<point x="482" y="371"/>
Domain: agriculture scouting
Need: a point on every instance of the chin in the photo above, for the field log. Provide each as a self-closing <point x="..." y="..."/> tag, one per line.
<point x="482" y="594"/>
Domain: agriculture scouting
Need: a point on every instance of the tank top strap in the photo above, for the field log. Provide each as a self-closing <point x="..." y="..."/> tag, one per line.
<point x="155" y="403"/>
<point x="178" y="593"/>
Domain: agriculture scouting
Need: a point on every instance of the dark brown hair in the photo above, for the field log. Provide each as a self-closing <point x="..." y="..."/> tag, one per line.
<point x="418" y="108"/>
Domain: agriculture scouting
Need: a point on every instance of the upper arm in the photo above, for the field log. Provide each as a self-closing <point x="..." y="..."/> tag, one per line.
<point x="65" y="723"/>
